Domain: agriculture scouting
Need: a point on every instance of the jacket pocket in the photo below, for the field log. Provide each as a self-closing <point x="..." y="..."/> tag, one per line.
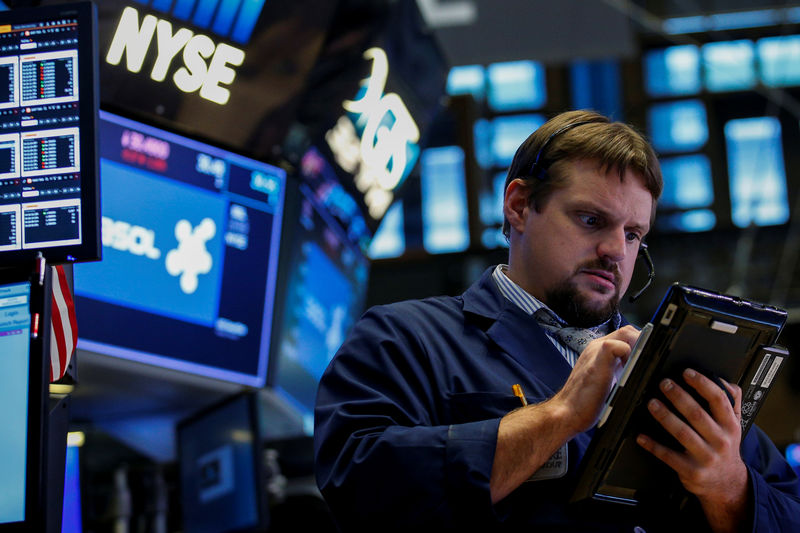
<point x="474" y="406"/>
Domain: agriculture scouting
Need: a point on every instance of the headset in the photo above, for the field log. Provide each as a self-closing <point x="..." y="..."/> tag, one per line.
<point x="539" y="172"/>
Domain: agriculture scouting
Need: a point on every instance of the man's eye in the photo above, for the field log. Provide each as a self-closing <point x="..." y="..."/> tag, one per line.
<point x="633" y="237"/>
<point x="589" y="220"/>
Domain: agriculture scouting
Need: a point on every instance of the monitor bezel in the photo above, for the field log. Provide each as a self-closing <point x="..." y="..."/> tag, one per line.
<point x="252" y="400"/>
<point x="90" y="247"/>
<point x="38" y="394"/>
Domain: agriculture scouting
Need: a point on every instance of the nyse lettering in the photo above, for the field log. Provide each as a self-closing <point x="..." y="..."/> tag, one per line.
<point x="206" y="66"/>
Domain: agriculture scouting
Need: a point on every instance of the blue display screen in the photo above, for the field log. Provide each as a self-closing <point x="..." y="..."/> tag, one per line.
<point x="687" y="182"/>
<point x="729" y="65"/>
<point x="467" y="79"/>
<point x="516" y="85"/>
<point x="71" y="521"/>
<point x="679" y="126"/>
<point x="777" y="58"/>
<point x="672" y="71"/>
<point x="445" y="227"/>
<point x="15" y="336"/>
<point x="756" y="172"/>
<point x="327" y="282"/>
<point x="190" y="248"/>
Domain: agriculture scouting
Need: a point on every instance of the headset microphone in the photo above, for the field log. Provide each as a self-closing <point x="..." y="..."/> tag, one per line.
<point x="651" y="272"/>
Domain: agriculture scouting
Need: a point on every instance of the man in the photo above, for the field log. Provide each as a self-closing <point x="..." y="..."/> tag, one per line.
<point x="416" y="423"/>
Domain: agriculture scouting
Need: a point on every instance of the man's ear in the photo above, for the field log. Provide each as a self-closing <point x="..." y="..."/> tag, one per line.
<point x="515" y="204"/>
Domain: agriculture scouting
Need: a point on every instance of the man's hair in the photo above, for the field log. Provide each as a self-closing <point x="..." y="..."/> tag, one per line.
<point x="581" y="135"/>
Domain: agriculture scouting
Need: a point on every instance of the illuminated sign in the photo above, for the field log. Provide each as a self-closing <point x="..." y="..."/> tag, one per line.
<point x="233" y="19"/>
<point x="377" y="139"/>
<point x="206" y="66"/>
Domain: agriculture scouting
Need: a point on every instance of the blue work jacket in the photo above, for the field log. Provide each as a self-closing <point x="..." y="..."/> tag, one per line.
<point x="407" y="416"/>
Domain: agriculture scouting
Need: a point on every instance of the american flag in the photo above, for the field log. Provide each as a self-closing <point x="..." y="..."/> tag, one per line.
<point x="64" y="327"/>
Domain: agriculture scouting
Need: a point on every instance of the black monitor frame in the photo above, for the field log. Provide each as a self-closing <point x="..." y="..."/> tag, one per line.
<point x="39" y="277"/>
<point x="89" y="248"/>
<point x="251" y="397"/>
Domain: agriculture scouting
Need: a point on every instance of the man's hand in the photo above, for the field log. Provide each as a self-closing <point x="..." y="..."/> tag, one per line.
<point x="710" y="466"/>
<point x="590" y="381"/>
<point x="527" y="437"/>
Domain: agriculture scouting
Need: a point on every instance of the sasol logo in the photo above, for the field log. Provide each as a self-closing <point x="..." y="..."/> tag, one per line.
<point x="206" y="66"/>
<point x="127" y="237"/>
<point x="186" y="262"/>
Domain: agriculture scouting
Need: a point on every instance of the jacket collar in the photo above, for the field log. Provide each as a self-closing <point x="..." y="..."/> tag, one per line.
<point x="515" y="332"/>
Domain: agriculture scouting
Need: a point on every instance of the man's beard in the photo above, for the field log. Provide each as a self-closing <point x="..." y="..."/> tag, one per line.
<point x="573" y="306"/>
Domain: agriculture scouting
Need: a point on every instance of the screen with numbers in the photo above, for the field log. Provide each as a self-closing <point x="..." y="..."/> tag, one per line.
<point x="48" y="170"/>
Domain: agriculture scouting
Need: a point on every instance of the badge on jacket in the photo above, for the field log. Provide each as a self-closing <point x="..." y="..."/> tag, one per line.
<point x="555" y="467"/>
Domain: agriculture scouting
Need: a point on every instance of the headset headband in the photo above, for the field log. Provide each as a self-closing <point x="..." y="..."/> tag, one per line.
<point x="541" y="173"/>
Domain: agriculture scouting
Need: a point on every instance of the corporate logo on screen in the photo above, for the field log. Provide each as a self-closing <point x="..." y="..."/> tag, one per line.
<point x="377" y="139"/>
<point x="163" y="246"/>
<point x="191" y="258"/>
<point x="186" y="262"/>
<point x="206" y="66"/>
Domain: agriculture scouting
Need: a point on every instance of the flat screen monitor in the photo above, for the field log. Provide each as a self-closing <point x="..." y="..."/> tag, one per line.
<point x="326" y="272"/>
<point x="190" y="254"/>
<point x="48" y="114"/>
<point x="220" y="467"/>
<point x="22" y="390"/>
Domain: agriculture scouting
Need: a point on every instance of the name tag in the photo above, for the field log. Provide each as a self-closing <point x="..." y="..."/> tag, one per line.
<point x="555" y="467"/>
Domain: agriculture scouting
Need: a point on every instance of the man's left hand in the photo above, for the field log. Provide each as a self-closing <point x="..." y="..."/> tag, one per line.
<point x="710" y="466"/>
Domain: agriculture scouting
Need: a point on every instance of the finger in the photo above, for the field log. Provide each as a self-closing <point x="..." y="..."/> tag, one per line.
<point x="618" y="349"/>
<point x="699" y="419"/>
<point x="628" y="334"/>
<point x="736" y="392"/>
<point x="721" y="409"/>
<point x="608" y="348"/>
<point x="685" y="434"/>
<point x="670" y="457"/>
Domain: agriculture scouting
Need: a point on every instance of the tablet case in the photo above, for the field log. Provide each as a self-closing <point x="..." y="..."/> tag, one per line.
<point x="721" y="336"/>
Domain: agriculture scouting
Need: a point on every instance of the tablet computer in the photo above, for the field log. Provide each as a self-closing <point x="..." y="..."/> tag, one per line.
<point x="721" y="336"/>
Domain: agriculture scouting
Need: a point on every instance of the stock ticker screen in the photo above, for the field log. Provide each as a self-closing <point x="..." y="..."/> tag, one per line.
<point x="40" y="135"/>
<point x="191" y="236"/>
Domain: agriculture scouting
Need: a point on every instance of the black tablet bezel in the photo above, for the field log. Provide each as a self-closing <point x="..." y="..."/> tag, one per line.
<point x="627" y="404"/>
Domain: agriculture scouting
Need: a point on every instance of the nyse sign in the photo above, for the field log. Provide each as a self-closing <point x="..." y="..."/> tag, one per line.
<point x="387" y="148"/>
<point x="206" y="67"/>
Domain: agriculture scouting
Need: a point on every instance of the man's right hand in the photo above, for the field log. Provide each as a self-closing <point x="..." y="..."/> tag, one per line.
<point x="583" y="394"/>
<point x="527" y="437"/>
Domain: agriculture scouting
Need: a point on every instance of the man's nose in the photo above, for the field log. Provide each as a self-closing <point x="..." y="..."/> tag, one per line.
<point x="613" y="245"/>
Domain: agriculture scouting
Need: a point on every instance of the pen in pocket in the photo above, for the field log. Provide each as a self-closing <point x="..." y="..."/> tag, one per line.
<point x="517" y="390"/>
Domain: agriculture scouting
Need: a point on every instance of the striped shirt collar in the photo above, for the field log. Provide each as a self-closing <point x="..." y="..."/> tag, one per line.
<point x="516" y="294"/>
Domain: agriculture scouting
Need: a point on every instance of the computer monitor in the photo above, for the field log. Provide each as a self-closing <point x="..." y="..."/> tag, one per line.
<point x="326" y="272"/>
<point x="23" y="386"/>
<point x="220" y="460"/>
<point x="48" y="112"/>
<point x="190" y="253"/>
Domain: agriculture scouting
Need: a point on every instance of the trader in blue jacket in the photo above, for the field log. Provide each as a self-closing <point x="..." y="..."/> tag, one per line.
<point x="416" y="421"/>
